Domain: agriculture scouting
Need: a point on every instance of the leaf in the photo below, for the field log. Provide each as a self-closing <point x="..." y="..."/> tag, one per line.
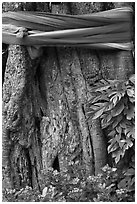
<point x="119" y="152"/>
<point x="96" y="99"/>
<point x="123" y="183"/>
<point x="132" y="134"/>
<point x="118" y="109"/>
<point x="129" y="142"/>
<point x="101" y="98"/>
<point x="102" y="88"/>
<point x="119" y="129"/>
<point x="116" y="120"/>
<point x="131" y="92"/>
<point x="114" y="99"/>
<point x="127" y="145"/>
<point x="97" y="106"/>
<point x="108" y="118"/>
<point x="121" y="144"/>
<point x="117" y="158"/>
<point x="118" y="136"/>
<point x="130" y="131"/>
<point x="112" y="93"/>
<point x="106" y="124"/>
<point x="123" y="124"/>
<point x="98" y="113"/>
<point x="130" y="172"/>
<point x="112" y="147"/>
<point x="109" y="106"/>
<point x="112" y="141"/>
<point x="120" y="95"/>
<point x="112" y="133"/>
<point x="105" y="118"/>
<point x="100" y="104"/>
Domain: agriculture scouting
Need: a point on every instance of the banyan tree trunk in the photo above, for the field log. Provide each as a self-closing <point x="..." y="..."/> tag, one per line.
<point x="44" y="116"/>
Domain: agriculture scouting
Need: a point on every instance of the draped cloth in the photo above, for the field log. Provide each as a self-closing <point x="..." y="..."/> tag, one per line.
<point x="110" y="29"/>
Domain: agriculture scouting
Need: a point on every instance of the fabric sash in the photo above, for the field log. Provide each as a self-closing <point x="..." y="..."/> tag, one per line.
<point x="110" y="29"/>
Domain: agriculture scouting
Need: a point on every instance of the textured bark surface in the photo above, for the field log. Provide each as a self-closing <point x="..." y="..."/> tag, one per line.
<point x="22" y="103"/>
<point x="91" y="73"/>
<point x="44" y="117"/>
<point x="20" y="113"/>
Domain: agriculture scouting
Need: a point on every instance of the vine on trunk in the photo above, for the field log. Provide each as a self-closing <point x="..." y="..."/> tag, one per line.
<point x="114" y="104"/>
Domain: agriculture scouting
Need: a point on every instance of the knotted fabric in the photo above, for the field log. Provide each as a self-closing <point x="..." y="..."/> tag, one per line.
<point x="107" y="29"/>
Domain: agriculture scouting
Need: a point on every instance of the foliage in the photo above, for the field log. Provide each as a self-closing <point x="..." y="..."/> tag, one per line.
<point x="76" y="186"/>
<point x="23" y="195"/>
<point x="113" y="102"/>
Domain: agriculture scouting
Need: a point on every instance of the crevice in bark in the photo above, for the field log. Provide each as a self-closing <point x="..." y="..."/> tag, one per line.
<point x="90" y="139"/>
<point x="100" y="71"/>
<point x="4" y="59"/>
<point x="55" y="164"/>
<point x="37" y="175"/>
<point x="37" y="123"/>
<point x="29" y="166"/>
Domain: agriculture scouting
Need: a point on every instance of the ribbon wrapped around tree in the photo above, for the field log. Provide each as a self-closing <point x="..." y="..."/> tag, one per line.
<point x="110" y="29"/>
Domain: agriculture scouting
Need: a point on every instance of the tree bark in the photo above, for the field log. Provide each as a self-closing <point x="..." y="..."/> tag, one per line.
<point x="44" y="115"/>
<point x="90" y="67"/>
<point x="21" y="143"/>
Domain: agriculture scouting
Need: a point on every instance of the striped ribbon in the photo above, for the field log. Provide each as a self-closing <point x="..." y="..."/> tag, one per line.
<point x="110" y="29"/>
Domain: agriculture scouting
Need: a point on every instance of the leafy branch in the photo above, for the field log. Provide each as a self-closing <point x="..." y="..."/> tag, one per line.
<point x="113" y="101"/>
